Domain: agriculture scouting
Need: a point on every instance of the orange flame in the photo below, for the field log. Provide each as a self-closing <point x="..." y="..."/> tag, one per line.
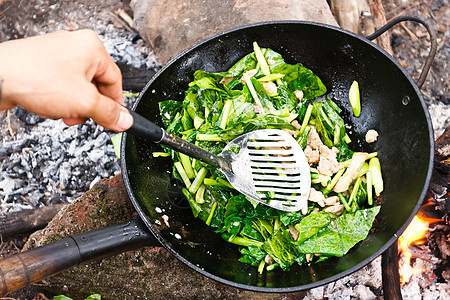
<point x="415" y="234"/>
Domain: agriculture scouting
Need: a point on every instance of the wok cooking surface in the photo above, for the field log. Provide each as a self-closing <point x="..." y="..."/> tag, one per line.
<point x="405" y="147"/>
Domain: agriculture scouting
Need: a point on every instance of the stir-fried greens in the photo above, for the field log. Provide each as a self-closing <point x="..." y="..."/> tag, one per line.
<point x="262" y="91"/>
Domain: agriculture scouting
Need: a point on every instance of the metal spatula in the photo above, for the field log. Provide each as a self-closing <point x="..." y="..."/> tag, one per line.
<point x="267" y="165"/>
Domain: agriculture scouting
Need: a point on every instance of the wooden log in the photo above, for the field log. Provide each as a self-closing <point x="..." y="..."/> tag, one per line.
<point x="348" y="13"/>
<point x="379" y="15"/>
<point x="134" y="79"/>
<point x="390" y="275"/>
<point x="27" y="220"/>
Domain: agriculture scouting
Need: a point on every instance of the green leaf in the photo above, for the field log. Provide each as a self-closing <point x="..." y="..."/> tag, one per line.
<point x="168" y="110"/>
<point x="115" y="140"/>
<point x="252" y="255"/>
<point x="336" y="236"/>
<point x="62" y="297"/>
<point x="281" y="249"/>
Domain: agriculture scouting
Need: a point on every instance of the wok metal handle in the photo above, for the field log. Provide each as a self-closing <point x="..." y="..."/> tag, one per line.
<point x="433" y="49"/>
<point x="147" y="129"/>
<point x="33" y="265"/>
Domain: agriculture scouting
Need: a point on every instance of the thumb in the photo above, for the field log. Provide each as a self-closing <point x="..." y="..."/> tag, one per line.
<point x="111" y="115"/>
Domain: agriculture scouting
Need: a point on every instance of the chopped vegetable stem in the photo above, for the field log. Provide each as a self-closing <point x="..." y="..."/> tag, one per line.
<point x="355" y="190"/>
<point x="354" y="98"/>
<point x="344" y="202"/>
<point x="347" y="139"/>
<point x="261" y="266"/>
<point x="198" y="180"/>
<point x="337" y="134"/>
<point x="224" y="183"/>
<point x="261" y="60"/>
<point x="225" y="113"/>
<point x="271" y="267"/>
<point x="211" y="214"/>
<point x="208" y="137"/>
<point x="160" y="154"/>
<point x="333" y="181"/>
<point x="199" y="196"/>
<point x="369" y="188"/>
<point x="252" y="89"/>
<point x="306" y="119"/>
<point x="333" y="105"/>
<point x="187" y="165"/>
<point x="241" y="241"/>
<point x="271" y="77"/>
<point x="182" y="173"/>
<point x="377" y="179"/>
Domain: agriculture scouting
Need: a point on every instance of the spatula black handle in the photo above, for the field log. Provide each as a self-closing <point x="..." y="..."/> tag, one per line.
<point x="147" y="129"/>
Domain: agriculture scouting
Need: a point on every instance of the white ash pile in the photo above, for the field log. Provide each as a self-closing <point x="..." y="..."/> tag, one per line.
<point x="50" y="163"/>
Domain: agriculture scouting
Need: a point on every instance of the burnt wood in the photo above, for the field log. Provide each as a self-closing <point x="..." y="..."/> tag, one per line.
<point x="27" y="220"/>
<point x="390" y="275"/>
<point x="134" y="79"/>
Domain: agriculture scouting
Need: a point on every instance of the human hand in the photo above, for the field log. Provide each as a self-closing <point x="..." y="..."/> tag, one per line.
<point x="65" y="75"/>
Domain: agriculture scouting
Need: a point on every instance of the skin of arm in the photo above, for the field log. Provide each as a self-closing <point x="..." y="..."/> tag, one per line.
<point x="66" y="75"/>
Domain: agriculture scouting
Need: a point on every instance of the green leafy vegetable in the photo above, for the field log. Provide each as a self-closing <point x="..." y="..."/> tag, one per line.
<point x="324" y="235"/>
<point x="218" y="107"/>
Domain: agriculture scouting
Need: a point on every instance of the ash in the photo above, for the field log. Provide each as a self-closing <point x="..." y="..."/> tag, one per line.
<point x="45" y="162"/>
<point x="51" y="163"/>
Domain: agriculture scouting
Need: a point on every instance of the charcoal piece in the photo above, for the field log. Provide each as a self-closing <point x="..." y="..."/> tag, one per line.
<point x="27" y="117"/>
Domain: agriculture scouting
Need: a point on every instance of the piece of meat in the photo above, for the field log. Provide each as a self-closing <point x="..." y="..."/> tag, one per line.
<point x="227" y="80"/>
<point x="313" y="139"/>
<point x="356" y="163"/>
<point x="294" y="232"/>
<point x="250" y="74"/>
<point x="258" y="108"/>
<point x="316" y="196"/>
<point x="296" y="124"/>
<point x="336" y="209"/>
<point x="371" y="136"/>
<point x="332" y="200"/>
<point x="291" y="132"/>
<point x="312" y="156"/>
<point x="308" y="257"/>
<point x="269" y="260"/>
<point x="328" y="164"/>
<point x="270" y="87"/>
<point x="299" y="95"/>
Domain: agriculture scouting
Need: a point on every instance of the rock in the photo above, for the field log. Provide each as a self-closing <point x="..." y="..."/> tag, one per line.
<point x="147" y="273"/>
<point x="171" y="26"/>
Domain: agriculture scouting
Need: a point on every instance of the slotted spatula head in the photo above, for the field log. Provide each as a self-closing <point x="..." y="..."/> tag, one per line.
<point x="270" y="167"/>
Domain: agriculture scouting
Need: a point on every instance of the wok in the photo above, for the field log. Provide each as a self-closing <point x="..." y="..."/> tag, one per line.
<point x="391" y="104"/>
<point x="405" y="147"/>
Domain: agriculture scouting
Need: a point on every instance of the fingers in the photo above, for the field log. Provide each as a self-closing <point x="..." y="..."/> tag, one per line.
<point x="110" y="114"/>
<point x="107" y="75"/>
<point x="74" y="121"/>
<point x="108" y="80"/>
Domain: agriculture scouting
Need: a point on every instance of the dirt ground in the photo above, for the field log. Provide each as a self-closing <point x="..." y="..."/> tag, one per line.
<point x="19" y="18"/>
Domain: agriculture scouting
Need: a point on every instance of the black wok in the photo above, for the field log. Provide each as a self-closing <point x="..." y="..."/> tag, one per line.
<point x="391" y="104"/>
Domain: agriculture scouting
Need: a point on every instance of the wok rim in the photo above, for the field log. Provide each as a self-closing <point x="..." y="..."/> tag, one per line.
<point x="327" y="280"/>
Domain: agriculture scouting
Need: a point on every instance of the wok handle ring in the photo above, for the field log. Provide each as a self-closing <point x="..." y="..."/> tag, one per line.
<point x="431" y="32"/>
<point x="22" y="269"/>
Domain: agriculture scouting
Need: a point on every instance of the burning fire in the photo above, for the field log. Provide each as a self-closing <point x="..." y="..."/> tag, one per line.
<point x="415" y="234"/>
